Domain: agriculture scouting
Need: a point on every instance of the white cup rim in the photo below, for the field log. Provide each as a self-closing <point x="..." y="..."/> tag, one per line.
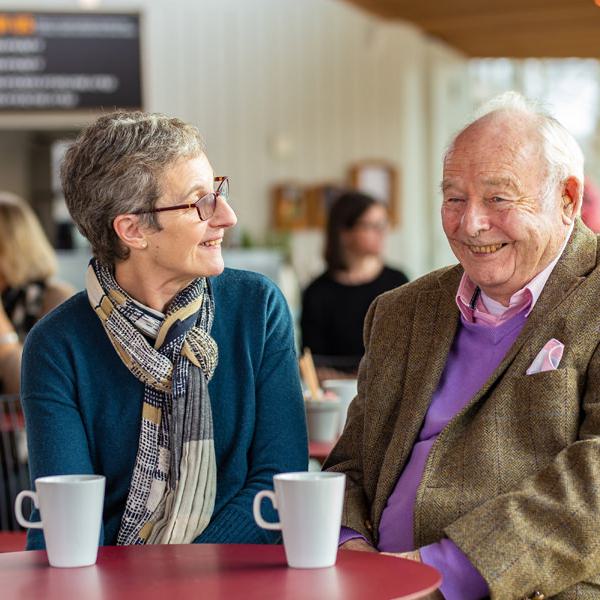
<point x="70" y="479"/>
<point x="342" y="382"/>
<point x="308" y="476"/>
<point x="329" y="404"/>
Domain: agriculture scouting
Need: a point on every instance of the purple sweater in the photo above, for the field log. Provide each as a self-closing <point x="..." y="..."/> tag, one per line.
<point x="476" y="351"/>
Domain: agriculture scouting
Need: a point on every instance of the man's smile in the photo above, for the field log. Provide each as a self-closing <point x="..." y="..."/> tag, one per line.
<point x="486" y="249"/>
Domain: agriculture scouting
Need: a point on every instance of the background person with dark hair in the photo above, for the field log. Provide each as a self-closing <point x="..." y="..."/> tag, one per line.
<point x="335" y="304"/>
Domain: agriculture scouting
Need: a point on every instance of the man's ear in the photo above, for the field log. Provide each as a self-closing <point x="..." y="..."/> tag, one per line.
<point x="130" y="232"/>
<point x="571" y="199"/>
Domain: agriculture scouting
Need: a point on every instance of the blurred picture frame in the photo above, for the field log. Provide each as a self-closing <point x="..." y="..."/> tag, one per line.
<point x="320" y="198"/>
<point x="289" y="206"/>
<point x="379" y="179"/>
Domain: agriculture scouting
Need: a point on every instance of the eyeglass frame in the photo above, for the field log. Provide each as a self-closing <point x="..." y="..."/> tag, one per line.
<point x="221" y="179"/>
<point x="379" y="227"/>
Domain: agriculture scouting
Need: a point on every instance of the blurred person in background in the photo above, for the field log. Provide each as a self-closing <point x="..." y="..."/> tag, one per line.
<point x="334" y="305"/>
<point x="28" y="292"/>
<point x="171" y="376"/>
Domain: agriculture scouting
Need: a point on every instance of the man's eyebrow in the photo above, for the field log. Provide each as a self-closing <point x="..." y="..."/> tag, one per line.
<point x="505" y="182"/>
<point x="445" y="184"/>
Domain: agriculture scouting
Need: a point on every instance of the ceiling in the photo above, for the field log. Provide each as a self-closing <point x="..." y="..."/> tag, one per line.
<point x="494" y="28"/>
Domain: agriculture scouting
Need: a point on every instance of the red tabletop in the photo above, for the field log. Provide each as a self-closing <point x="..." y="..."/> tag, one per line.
<point x="213" y="572"/>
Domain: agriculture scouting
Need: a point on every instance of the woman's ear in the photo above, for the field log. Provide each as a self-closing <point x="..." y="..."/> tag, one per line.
<point x="130" y="232"/>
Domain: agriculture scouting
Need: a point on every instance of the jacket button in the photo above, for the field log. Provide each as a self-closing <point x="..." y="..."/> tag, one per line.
<point x="535" y="596"/>
<point x="369" y="527"/>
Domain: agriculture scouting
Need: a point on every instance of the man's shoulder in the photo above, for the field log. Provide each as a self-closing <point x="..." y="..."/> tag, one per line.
<point x="438" y="281"/>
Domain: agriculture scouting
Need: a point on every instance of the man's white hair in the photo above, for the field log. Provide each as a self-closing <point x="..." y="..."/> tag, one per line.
<point x="561" y="151"/>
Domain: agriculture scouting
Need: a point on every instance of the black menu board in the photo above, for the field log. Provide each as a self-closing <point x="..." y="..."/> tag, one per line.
<point x="68" y="61"/>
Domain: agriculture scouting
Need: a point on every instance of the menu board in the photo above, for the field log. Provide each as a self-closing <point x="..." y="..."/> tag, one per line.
<point x="67" y="61"/>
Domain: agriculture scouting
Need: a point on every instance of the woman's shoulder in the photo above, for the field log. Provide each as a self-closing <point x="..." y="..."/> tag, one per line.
<point x="71" y="313"/>
<point x="241" y="279"/>
<point x="248" y="303"/>
<point x="324" y="281"/>
<point x="396" y="275"/>
<point x="240" y="286"/>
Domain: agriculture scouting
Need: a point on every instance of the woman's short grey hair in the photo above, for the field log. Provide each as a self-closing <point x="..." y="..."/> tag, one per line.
<point x="115" y="166"/>
<point x="561" y="151"/>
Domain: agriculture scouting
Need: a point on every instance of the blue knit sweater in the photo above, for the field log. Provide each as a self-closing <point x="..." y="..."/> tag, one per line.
<point x="83" y="407"/>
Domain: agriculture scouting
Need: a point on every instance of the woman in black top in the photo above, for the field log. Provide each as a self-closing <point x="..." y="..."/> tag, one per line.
<point x="335" y="304"/>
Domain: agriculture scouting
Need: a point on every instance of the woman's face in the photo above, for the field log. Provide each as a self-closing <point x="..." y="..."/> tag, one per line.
<point x="367" y="237"/>
<point x="186" y="247"/>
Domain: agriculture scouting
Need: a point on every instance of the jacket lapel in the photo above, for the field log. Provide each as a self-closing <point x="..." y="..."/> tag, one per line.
<point x="430" y="343"/>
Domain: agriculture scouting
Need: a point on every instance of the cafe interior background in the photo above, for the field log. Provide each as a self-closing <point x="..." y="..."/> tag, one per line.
<point x="298" y="98"/>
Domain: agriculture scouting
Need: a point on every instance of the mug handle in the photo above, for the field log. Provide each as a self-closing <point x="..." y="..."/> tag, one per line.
<point x="256" y="510"/>
<point x="19" y="509"/>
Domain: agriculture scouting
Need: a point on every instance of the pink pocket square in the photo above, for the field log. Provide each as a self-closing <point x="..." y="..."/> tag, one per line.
<point x="548" y="358"/>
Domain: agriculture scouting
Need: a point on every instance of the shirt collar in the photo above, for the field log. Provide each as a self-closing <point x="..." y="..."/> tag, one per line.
<point x="476" y="306"/>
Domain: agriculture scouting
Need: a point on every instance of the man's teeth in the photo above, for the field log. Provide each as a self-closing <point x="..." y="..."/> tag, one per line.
<point x="212" y="243"/>
<point x="485" y="249"/>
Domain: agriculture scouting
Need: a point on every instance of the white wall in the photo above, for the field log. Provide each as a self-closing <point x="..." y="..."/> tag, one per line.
<point x="330" y="82"/>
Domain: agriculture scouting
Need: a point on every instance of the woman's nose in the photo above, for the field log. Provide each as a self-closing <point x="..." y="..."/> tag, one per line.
<point x="224" y="216"/>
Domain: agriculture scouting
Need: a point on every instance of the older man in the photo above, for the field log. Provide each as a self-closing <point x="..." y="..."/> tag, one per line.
<point x="473" y="443"/>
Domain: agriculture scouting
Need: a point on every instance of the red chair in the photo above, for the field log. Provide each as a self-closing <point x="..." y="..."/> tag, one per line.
<point x="12" y="541"/>
<point x="14" y="473"/>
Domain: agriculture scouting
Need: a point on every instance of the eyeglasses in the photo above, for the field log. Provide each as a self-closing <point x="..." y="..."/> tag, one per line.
<point x="378" y="226"/>
<point x="205" y="206"/>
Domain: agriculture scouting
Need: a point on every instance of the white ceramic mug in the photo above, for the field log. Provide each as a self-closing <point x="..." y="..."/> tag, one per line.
<point x="310" y="514"/>
<point x="322" y="418"/>
<point x="71" y="513"/>
<point x="345" y="390"/>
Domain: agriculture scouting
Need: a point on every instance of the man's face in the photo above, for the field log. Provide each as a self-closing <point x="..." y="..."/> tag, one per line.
<point x="499" y="225"/>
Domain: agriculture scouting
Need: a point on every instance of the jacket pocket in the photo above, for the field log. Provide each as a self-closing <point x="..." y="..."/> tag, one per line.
<point x="549" y="402"/>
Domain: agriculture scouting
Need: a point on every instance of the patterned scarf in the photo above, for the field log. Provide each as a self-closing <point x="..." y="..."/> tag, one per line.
<point x="174" y="482"/>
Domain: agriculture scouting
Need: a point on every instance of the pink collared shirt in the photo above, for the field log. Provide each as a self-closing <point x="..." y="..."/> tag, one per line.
<point x="492" y="313"/>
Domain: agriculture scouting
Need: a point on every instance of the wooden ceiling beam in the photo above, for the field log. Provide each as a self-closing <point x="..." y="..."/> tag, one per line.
<point x="527" y="45"/>
<point x="502" y="28"/>
<point x="567" y="19"/>
<point x="426" y="9"/>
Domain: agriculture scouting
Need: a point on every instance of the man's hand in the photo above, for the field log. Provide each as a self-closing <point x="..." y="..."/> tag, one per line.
<point x="412" y="555"/>
<point x="358" y="544"/>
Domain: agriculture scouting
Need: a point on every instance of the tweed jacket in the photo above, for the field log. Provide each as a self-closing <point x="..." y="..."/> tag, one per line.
<point x="514" y="479"/>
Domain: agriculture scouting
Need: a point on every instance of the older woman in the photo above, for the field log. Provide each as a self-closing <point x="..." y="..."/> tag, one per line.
<point x="174" y="378"/>
<point x="27" y="288"/>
